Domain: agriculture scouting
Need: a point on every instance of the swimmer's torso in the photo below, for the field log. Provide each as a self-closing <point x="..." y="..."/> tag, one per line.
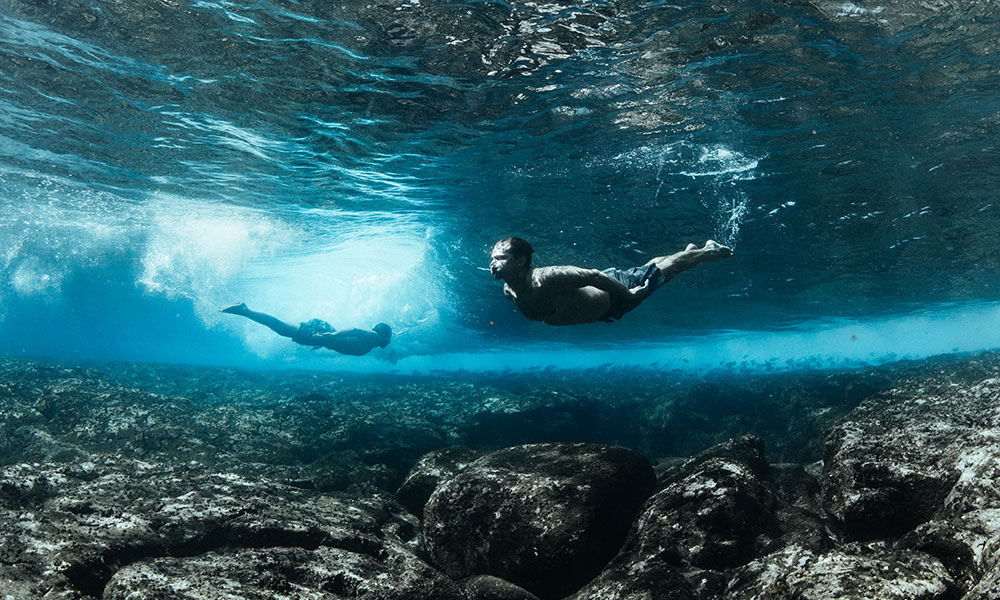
<point x="561" y="306"/>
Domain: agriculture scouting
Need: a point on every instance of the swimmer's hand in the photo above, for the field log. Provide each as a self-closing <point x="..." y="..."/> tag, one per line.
<point x="640" y="293"/>
<point x="641" y="290"/>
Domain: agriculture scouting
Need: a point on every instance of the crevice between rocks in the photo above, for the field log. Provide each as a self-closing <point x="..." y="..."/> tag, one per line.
<point x="91" y="575"/>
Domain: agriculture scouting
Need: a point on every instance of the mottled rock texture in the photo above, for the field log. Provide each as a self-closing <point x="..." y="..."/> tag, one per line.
<point x="906" y="456"/>
<point x="854" y="571"/>
<point x="922" y="462"/>
<point x="431" y="470"/>
<point x="117" y="528"/>
<point x="181" y="483"/>
<point x="488" y="587"/>
<point x="546" y="517"/>
<point x="715" y="512"/>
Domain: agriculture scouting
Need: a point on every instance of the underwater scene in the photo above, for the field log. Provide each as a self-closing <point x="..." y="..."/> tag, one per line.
<point x="361" y="299"/>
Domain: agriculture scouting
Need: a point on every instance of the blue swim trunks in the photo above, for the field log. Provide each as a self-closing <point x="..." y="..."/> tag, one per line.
<point x="630" y="278"/>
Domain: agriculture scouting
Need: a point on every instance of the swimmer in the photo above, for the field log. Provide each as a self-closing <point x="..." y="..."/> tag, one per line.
<point x="320" y="334"/>
<point x="568" y="295"/>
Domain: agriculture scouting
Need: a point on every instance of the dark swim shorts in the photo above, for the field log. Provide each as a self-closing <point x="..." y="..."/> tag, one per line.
<point x="630" y="278"/>
<point x="309" y="329"/>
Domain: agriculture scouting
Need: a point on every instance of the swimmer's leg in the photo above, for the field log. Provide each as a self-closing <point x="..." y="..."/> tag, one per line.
<point x="275" y="324"/>
<point x="689" y="257"/>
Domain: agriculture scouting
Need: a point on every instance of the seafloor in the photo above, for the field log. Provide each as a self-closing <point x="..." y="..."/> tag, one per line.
<point x="135" y="481"/>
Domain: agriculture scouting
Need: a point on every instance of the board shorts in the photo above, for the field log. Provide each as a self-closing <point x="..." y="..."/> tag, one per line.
<point x="631" y="278"/>
<point x="309" y="329"/>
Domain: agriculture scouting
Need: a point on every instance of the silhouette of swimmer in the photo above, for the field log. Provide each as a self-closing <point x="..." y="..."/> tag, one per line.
<point x="320" y="334"/>
<point x="568" y="295"/>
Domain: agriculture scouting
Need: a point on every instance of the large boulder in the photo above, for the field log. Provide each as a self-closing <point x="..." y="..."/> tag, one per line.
<point x="922" y="463"/>
<point x="546" y="517"/>
<point x="851" y="572"/>
<point x="432" y="468"/>
<point x="629" y="578"/>
<point x="714" y="511"/>
<point x="913" y="454"/>
<point x="967" y="545"/>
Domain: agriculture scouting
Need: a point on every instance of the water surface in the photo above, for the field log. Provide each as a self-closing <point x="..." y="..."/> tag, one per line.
<point x="355" y="161"/>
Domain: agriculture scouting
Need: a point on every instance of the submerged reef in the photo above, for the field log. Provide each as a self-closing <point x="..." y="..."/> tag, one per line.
<point x="136" y="481"/>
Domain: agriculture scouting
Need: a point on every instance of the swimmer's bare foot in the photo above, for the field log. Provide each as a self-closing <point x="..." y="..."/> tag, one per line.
<point x="713" y="250"/>
<point x="235" y="309"/>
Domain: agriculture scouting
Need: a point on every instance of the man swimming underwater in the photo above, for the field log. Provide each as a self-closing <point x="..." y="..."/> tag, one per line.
<point x="320" y="334"/>
<point x="568" y="295"/>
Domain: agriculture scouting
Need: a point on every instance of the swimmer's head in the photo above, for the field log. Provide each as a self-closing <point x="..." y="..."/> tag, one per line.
<point x="508" y="253"/>
<point x="384" y="332"/>
<point x="518" y="247"/>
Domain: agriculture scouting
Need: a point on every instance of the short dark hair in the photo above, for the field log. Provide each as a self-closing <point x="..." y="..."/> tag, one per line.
<point x="385" y="332"/>
<point x="519" y="247"/>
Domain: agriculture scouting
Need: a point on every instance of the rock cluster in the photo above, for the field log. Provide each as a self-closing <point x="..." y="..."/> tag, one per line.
<point x="189" y="484"/>
<point x="545" y="516"/>
<point x="122" y="529"/>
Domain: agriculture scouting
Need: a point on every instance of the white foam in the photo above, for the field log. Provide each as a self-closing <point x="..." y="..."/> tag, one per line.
<point x="355" y="282"/>
<point x="850" y="9"/>
<point x="721" y="160"/>
<point x="49" y="232"/>
<point x="352" y="269"/>
<point x="197" y="251"/>
<point x="30" y="278"/>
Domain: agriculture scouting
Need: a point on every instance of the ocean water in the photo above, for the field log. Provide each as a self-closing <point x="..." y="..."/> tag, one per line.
<point x="355" y="161"/>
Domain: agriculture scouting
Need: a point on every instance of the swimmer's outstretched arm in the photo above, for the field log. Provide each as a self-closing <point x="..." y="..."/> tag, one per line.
<point x="575" y="277"/>
<point x="345" y="334"/>
<point x="349" y="341"/>
<point x="567" y="277"/>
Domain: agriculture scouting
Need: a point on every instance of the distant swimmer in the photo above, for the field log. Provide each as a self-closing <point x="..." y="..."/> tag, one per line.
<point x="568" y="295"/>
<point x="320" y="334"/>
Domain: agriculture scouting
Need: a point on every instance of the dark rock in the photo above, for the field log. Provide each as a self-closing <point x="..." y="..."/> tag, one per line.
<point x="432" y="468"/>
<point x="901" y="458"/>
<point x="198" y="510"/>
<point x="546" y="517"/>
<point x="800" y="515"/>
<point x="966" y="545"/>
<point x="488" y="587"/>
<point x="121" y="528"/>
<point x="716" y="511"/>
<point x="791" y="411"/>
<point x="747" y="450"/>
<point x="851" y="572"/>
<point x="988" y="586"/>
<point x="265" y="574"/>
<point x="625" y="580"/>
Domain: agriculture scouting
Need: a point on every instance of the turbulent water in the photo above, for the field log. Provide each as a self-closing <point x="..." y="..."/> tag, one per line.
<point x="355" y="162"/>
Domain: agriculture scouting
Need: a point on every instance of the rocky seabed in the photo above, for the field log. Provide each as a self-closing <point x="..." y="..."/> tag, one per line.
<point x="132" y="482"/>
